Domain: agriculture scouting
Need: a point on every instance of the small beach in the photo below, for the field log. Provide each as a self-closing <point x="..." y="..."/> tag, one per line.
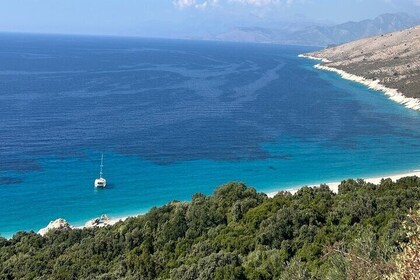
<point x="332" y="185"/>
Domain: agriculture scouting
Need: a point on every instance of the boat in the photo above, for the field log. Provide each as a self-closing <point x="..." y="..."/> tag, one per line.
<point x="100" y="182"/>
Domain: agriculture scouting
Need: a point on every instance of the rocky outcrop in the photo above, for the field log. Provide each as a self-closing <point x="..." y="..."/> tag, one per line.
<point x="104" y="220"/>
<point x="59" y="224"/>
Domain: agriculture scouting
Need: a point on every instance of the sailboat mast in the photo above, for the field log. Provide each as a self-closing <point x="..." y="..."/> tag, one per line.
<point x="102" y="164"/>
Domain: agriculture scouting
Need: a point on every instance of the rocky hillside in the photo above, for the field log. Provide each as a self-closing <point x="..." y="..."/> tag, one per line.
<point x="320" y="35"/>
<point x="350" y="31"/>
<point x="393" y="59"/>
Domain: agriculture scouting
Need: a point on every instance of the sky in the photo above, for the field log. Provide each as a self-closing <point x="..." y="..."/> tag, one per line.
<point x="181" y="18"/>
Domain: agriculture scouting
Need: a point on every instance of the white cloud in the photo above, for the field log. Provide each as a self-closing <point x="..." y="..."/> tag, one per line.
<point x="193" y="3"/>
<point x="183" y="3"/>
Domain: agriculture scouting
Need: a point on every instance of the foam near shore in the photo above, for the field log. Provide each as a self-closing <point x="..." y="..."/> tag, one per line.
<point x="334" y="185"/>
<point x="314" y="58"/>
<point x="393" y="94"/>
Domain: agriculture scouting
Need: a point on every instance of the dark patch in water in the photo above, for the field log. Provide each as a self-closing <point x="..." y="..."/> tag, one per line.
<point x="179" y="102"/>
<point x="19" y="165"/>
<point x="10" y="181"/>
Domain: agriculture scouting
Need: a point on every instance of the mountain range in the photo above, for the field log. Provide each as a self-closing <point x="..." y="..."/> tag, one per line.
<point x="320" y="35"/>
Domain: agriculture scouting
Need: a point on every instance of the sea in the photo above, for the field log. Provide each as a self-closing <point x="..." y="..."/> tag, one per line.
<point x="178" y="117"/>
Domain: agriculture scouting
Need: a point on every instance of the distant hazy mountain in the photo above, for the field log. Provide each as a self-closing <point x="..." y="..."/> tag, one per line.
<point x="350" y="31"/>
<point x="322" y="35"/>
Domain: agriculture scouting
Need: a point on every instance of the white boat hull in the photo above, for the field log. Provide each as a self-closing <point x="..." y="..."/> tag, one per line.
<point x="100" y="183"/>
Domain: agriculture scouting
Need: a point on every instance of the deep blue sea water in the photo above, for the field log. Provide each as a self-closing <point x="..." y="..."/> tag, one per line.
<point x="174" y="118"/>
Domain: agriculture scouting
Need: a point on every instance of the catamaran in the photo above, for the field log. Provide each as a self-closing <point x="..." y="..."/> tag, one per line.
<point x="100" y="182"/>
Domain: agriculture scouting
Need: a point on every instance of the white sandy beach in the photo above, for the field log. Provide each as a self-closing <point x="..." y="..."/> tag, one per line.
<point x="62" y="224"/>
<point x="334" y="185"/>
<point x="393" y="94"/>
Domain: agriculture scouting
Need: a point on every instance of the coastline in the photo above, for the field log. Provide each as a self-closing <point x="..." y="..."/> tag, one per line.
<point x="334" y="185"/>
<point x="314" y="58"/>
<point x="391" y="93"/>
<point x="62" y="224"/>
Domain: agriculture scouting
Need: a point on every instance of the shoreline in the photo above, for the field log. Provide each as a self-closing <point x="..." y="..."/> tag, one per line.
<point x="62" y="224"/>
<point x="391" y="93"/>
<point x="314" y="58"/>
<point x="334" y="185"/>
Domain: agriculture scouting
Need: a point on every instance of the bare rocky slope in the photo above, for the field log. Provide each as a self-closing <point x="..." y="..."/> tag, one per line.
<point x="393" y="59"/>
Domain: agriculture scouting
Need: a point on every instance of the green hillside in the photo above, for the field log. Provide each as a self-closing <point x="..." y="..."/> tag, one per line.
<point x="236" y="233"/>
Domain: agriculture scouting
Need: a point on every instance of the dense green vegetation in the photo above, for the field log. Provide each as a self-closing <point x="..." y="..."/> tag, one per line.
<point x="236" y="233"/>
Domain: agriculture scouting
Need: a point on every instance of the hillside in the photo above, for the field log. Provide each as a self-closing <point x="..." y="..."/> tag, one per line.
<point x="320" y="35"/>
<point x="350" y="31"/>
<point x="236" y="233"/>
<point x="393" y="59"/>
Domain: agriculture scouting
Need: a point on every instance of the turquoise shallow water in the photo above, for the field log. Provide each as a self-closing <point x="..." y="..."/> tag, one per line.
<point x="178" y="117"/>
